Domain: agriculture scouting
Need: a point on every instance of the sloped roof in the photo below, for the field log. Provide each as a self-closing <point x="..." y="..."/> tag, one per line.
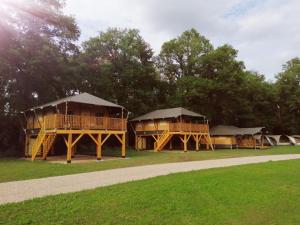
<point x="84" y="98"/>
<point x="232" y="130"/>
<point x="167" y="113"/>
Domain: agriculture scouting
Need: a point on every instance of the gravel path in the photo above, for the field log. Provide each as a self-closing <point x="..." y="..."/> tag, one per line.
<point x="17" y="191"/>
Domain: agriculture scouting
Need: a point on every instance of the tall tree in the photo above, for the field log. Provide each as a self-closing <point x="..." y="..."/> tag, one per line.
<point x="216" y="91"/>
<point x="182" y="56"/>
<point x="121" y="69"/>
<point x="288" y="87"/>
<point x="36" y="44"/>
<point x="33" y="59"/>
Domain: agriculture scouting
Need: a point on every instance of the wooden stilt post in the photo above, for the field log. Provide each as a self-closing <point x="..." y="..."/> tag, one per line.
<point x="27" y="145"/>
<point x="207" y="144"/>
<point x="197" y="142"/>
<point x="137" y="142"/>
<point x="171" y="144"/>
<point x="69" y="148"/>
<point x="99" y="147"/>
<point x="210" y="143"/>
<point x="185" y="143"/>
<point x="73" y="151"/>
<point x="123" y="146"/>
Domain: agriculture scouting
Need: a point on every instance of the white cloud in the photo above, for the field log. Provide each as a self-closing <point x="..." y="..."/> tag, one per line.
<point x="266" y="32"/>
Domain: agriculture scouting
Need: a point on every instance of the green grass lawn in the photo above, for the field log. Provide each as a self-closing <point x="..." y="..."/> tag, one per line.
<point x="267" y="193"/>
<point x="14" y="169"/>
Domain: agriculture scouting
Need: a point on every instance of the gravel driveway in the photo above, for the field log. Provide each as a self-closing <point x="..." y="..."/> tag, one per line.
<point x="17" y="191"/>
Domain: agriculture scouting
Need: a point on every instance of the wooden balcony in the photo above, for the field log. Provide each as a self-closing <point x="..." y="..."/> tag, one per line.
<point x="173" y="127"/>
<point x="78" y="122"/>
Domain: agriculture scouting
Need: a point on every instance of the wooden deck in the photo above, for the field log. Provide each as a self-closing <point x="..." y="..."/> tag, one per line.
<point x="173" y="127"/>
<point x="78" y="122"/>
<point x="42" y="134"/>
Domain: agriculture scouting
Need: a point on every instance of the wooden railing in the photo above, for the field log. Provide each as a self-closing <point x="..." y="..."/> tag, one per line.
<point x="60" y="121"/>
<point x="188" y="127"/>
<point x="175" y="127"/>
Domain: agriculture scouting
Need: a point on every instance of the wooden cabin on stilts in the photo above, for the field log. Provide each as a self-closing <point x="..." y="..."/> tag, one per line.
<point x="72" y="118"/>
<point x="161" y="127"/>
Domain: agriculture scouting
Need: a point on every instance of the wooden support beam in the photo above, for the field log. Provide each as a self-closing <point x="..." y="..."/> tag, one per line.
<point x="73" y="152"/>
<point x="105" y="139"/>
<point x="99" y="147"/>
<point x="77" y="139"/>
<point x="185" y="143"/>
<point x="69" y="148"/>
<point x="136" y="142"/>
<point x="123" y="146"/>
<point x="117" y="136"/>
<point x="27" y="145"/>
<point x="36" y="116"/>
<point x="189" y="136"/>
<point x="122" y="116"/>
<point x="196" y="137"/>
<point x="66" y="141"/>
<point x="210" y="143"/>
<point x="154" y="137"/>
<point x="199" y="139"/>
<point x="93" y="138"/>
<point x="207" y="142"/>
<point x="181" y="139"/>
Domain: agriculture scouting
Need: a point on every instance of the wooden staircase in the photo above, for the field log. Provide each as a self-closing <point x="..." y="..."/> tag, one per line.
<point x="48" y="142"/>
<point x="162" y="140"/>
<point x="36" y="147"/>
<point x="42" y="143"/>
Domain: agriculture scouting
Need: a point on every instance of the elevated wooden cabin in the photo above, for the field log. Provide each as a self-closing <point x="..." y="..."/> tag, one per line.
<point x="235" y="137"/>
<point x="156" y="129"/>
<point x="72" y="118"/>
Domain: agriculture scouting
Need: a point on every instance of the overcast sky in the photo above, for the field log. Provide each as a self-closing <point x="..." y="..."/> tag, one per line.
<point x="266" y="32"/>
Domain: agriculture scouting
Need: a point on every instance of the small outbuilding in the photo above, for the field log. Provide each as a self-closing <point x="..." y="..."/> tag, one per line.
<point x="157" y="129"/>
<point x="235" y="137"/>
<point x="283" y="140"/>
<point x="297" y="139"/>
<point x="72" y="118"/>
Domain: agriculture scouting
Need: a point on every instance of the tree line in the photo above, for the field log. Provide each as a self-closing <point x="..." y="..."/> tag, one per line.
<point x="41" y="60"/>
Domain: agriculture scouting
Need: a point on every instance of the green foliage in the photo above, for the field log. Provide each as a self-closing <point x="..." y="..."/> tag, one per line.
<point x="36" y="48"/>
<point x="35" y="58"/>
<point x="226" y="93"/>
<point x="120" y="63"/>
<point x="288" y="87"/>
<point x="182" y="56"/>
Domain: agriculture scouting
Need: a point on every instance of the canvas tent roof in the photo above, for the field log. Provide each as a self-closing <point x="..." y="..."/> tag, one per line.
<point x="232" y="130"/>
<point x="167" y="113"/>
<point x="84" y="98"/>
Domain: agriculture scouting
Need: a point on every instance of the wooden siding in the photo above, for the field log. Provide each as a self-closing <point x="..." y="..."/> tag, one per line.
<point x="223" y="140"/>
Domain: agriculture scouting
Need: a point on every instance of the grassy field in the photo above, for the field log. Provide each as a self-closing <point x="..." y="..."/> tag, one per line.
<point x="17" y="169"/>
<point x="267" y="193"/>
